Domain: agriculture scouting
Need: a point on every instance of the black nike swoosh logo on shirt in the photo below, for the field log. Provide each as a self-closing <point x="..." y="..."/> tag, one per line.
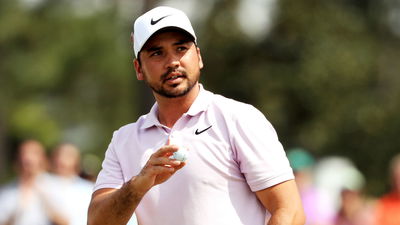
<point x="197" y="132"/>
<point x="152" y="22"/>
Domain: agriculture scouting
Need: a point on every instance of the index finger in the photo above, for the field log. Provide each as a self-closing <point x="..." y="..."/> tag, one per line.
<point x="166" y="150"/>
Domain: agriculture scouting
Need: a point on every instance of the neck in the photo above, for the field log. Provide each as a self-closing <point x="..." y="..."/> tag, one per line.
<point x="171" y="109"/>
<point x="66" y="174"/>
<point x="27" y="179"/>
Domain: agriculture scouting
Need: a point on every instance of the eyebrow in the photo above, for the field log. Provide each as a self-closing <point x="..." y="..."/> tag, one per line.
<point x="152" y="49"/>
<point x="156" y="48"/>
<point x="183" y="41"/>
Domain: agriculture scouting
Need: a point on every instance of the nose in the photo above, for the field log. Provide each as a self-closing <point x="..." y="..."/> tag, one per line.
<point x="173" y="61"/>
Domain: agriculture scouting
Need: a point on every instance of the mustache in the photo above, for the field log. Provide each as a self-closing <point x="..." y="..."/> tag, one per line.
<point x="172" y="70"/>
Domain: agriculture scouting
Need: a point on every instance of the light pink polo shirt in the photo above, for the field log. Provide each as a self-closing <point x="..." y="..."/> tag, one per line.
<point x="237" y="155"/>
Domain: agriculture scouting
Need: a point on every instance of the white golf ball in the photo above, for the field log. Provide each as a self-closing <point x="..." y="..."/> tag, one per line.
<point x="180" y="155"/>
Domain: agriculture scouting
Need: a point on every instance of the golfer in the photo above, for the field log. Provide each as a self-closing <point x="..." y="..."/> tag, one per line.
<point x="235" y="172"/>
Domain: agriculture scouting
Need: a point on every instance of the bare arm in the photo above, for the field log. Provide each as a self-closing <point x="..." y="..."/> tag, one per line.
<point x="284" y="204"/>
<point x="116" y="206"/>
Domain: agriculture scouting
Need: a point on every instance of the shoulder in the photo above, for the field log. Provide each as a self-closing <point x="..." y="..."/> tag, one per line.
<point x="128" y="128"/>
<point x="8" y="190"/>
<point x="126" y="131"/>
<point x="241" y="118"/>
<point x="83" y="184"/>
<point x="235" y="109"/>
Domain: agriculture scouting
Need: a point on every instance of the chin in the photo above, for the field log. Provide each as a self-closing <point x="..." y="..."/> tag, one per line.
<point x="176" y="92"/>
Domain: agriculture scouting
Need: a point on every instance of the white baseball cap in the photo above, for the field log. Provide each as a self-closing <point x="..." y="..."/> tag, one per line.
<point x="156" y="19"/>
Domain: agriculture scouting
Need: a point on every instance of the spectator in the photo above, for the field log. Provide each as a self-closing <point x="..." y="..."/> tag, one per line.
<point x="354" y="209"/>
<point x="343" y="183"/>
<point x="388" y="206"/>
<point x="315" y="202"/>
<point x="332" y="175"/>
<point x="25" y="200"/>
<point x="71" y="193"/>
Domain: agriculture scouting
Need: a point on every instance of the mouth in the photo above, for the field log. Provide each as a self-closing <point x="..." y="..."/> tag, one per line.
<point x="172" y="76"/>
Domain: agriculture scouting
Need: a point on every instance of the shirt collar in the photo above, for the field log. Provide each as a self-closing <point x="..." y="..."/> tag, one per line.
<point x="201" y="102"/>
<point x="199" y="105"/>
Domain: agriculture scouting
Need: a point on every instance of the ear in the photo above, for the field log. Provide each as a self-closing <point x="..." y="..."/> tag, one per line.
<point x="138" y="68"/>
<point x="201" y="64"/>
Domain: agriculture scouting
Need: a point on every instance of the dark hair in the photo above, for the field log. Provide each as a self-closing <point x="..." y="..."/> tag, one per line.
<point x="163" y="30"/>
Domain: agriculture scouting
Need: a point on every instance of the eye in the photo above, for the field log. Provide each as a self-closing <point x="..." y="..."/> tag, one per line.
<point x="182" y="48"/>
<point x="156" y="53"/>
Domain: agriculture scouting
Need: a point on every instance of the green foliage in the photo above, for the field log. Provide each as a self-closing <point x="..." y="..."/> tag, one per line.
<point x="64" y="77"/>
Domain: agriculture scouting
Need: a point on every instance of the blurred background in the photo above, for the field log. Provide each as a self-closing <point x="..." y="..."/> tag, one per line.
<point x="325" y="73"/>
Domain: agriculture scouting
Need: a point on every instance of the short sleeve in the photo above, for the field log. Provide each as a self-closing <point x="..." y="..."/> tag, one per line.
<point x="111" y="175"/>
<point x="258" y="151"/>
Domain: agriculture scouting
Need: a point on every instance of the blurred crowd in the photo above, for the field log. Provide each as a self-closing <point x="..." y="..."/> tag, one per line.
<point x="48" y="190"/>
<point x="332" y="191"/>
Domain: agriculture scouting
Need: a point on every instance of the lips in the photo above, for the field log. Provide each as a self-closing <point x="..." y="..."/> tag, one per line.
<point x="174" y="75"/>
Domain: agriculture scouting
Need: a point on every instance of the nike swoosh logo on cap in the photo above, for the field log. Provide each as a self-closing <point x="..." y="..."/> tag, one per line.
<point x="153" y="22"/>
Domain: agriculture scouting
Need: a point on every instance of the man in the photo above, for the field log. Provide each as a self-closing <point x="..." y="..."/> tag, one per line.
<point x="236" y="168"/>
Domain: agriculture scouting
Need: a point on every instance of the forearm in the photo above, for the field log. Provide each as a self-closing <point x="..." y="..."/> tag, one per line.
<point x="117" y="207"/>
<point x="111" y="206"/>
<point x="284" y="204"/>
<point x="287" y="217"/>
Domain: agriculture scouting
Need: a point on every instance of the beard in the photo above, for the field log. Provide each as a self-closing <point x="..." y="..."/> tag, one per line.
<point x="169" y="91"/>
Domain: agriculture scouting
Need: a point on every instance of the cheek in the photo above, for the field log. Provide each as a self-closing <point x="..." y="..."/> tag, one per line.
<point x="148" y="71"/>
<point x="191" y="62"/>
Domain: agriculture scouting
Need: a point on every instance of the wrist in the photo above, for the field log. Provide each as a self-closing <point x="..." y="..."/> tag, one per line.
<point x="136" y="184"/>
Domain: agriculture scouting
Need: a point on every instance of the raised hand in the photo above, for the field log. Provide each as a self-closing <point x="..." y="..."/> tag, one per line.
<point x="159" y="168"/>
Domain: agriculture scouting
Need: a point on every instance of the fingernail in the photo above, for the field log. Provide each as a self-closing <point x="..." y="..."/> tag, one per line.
<point x="177" y="162"/>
